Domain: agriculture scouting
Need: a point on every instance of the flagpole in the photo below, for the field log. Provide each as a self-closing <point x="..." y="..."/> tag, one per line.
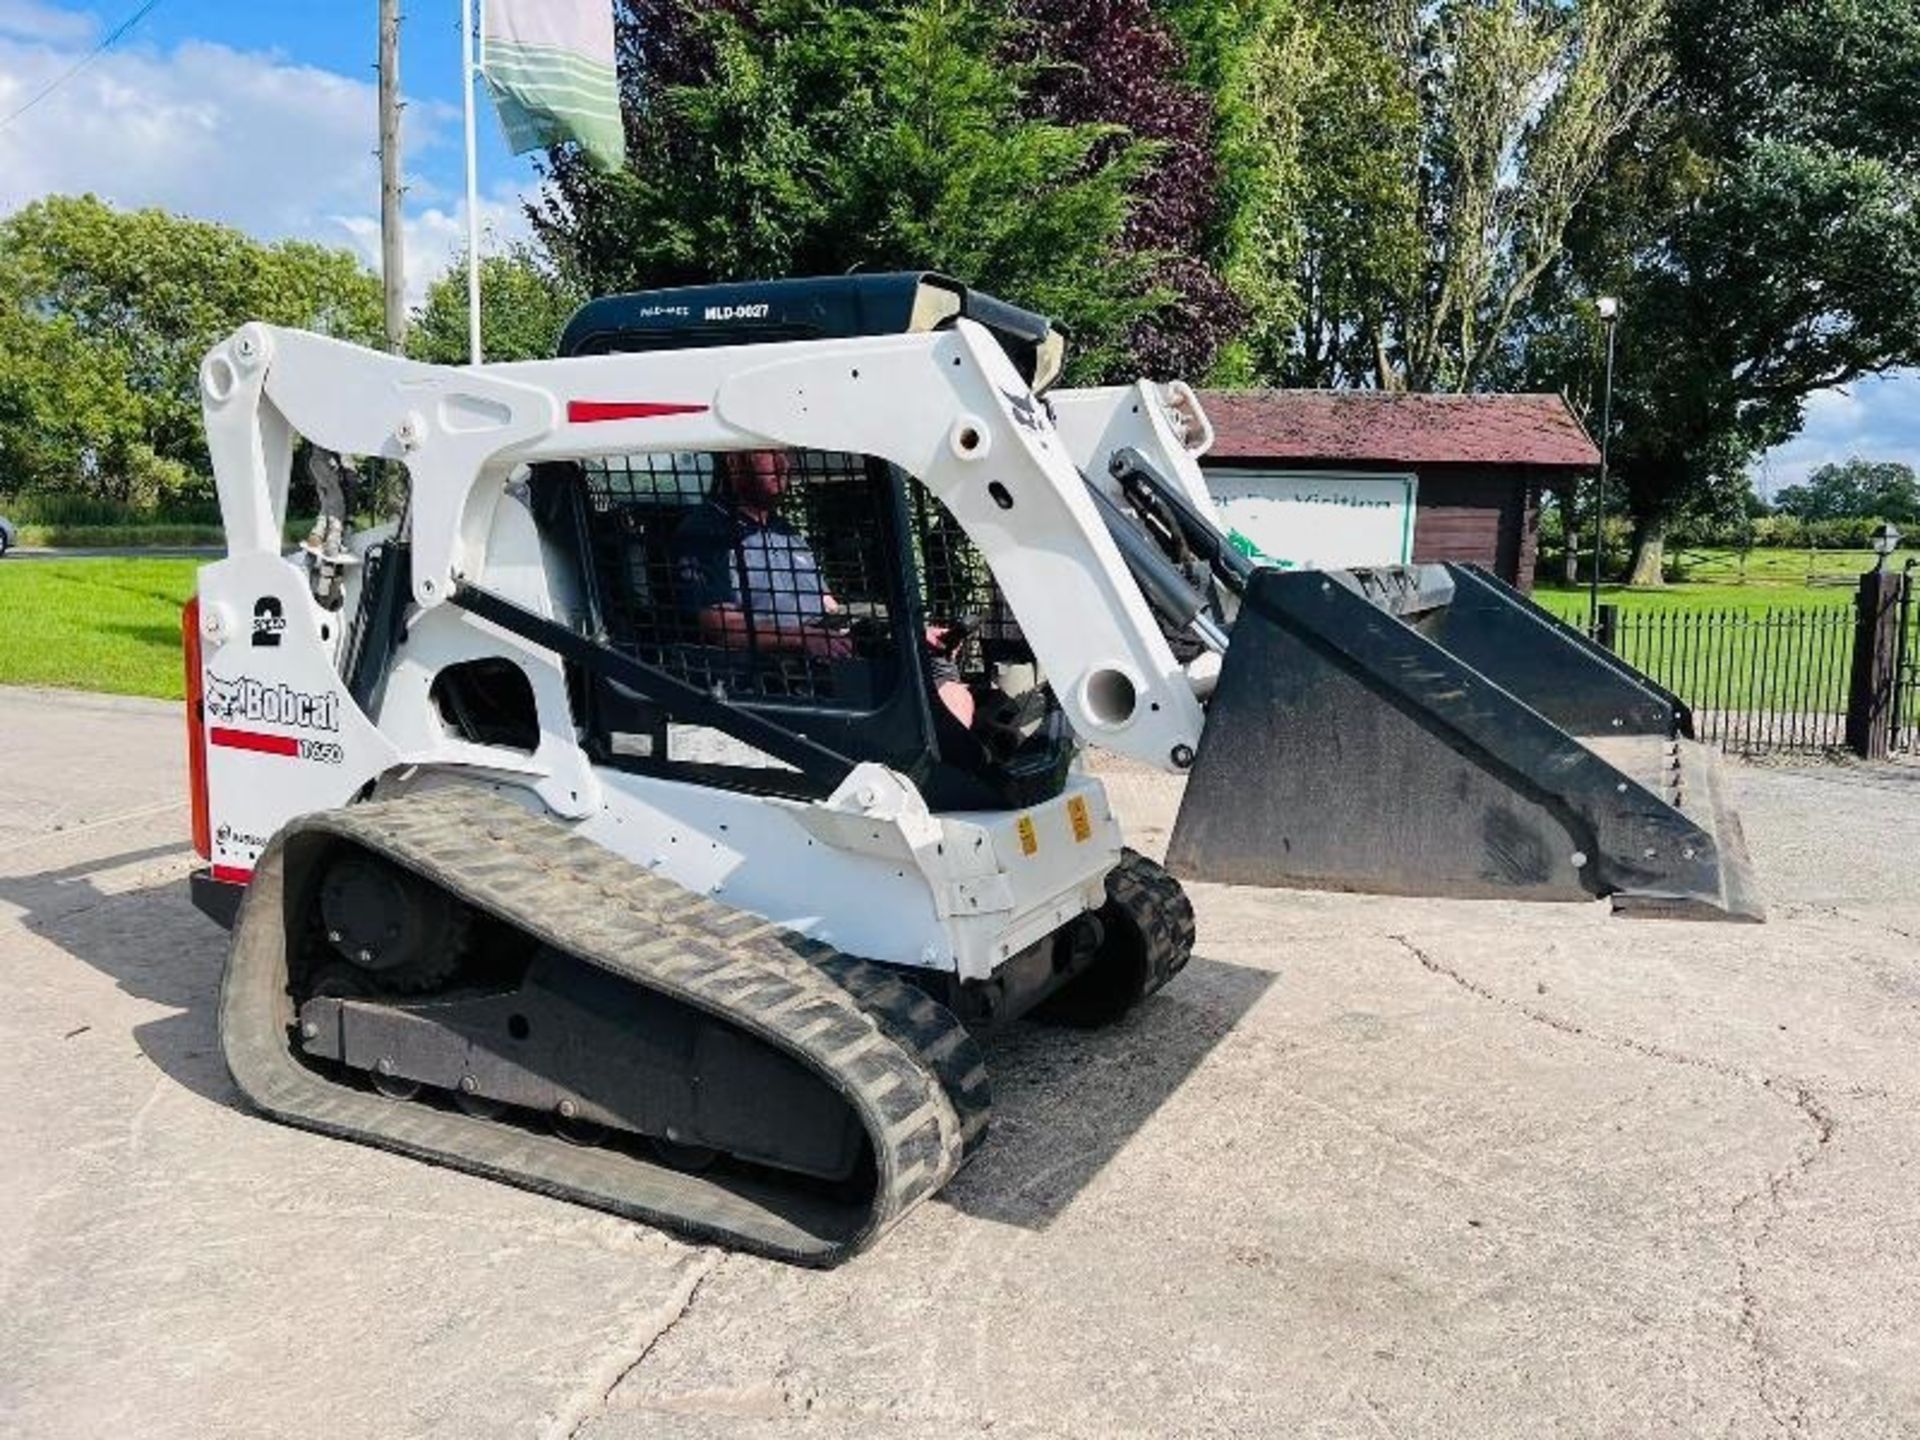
<point x="468" y="71"/>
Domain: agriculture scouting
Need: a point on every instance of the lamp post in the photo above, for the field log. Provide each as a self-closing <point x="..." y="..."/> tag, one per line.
<point x="1885" y="539"/>
<point x="1609" y="312"/>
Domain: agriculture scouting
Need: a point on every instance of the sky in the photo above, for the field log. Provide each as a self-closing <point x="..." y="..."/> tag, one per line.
<point x="262" y="114"/>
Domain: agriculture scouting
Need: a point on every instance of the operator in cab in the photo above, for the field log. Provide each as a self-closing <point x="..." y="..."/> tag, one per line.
<point x="746" y="574"/>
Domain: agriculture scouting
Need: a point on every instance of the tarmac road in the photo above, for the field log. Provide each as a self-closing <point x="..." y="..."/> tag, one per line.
<point x="1370" y="1167"/>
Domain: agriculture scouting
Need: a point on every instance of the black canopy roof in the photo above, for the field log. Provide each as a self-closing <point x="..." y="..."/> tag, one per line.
<point x="760" y="312"/>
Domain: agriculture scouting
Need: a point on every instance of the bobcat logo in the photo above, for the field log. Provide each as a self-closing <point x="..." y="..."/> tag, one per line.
<point x="1026" y="410"/>
<point x="245" y="699"/>
<point x="223" y="697"/>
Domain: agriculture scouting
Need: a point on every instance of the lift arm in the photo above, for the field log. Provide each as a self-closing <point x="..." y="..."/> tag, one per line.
<point x="946" y="407"/>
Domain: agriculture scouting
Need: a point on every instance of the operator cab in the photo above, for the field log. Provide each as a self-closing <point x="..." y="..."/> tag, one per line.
<point x="802" y="586"/>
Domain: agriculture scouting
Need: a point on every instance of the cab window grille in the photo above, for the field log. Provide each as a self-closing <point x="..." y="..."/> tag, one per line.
<point x="764" y="575"/>
<point x="956" y="584"/>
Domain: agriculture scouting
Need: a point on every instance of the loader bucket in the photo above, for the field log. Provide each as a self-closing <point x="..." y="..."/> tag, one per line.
<point x="1426" y="730"/>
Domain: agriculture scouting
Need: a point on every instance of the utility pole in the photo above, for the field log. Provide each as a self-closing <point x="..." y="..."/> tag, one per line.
<point x="393" y="262"/>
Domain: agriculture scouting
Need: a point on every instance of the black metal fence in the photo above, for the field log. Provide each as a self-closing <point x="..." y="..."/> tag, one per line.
<point x="1758" y="679"/>
<point x="1825" y="677"/>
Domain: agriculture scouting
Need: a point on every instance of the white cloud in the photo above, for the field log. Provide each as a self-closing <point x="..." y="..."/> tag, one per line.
<point x="243" y="138"/>
<point x="250" y="139"/>
<point x="1876" y="419"/>
<point x="437" y="236"/>
<point x="34" y="21"/>
<point x="1835" y="409"/>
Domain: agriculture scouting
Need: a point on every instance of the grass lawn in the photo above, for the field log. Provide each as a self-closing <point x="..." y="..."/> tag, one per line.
<point x="110" y="624"/>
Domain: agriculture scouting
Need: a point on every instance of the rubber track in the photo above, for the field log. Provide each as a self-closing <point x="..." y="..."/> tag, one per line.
<point x="901" y="1060"/>
<point x="1158" y="904"/>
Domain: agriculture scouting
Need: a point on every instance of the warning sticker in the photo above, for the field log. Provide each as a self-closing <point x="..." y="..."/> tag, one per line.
<point x="1029" y="837"/>
<point x="1077" y="814"/>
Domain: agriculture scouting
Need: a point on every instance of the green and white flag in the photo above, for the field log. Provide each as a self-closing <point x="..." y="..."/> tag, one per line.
<point x="550" y="66"/>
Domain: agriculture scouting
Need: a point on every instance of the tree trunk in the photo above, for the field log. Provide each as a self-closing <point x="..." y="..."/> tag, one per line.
<point x="1649" y="552"/>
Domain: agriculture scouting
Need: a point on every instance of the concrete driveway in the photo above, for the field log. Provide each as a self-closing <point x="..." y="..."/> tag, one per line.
<point x="1370" y="1167"/>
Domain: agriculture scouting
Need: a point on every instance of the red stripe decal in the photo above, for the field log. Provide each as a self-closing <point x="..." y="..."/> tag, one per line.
<point x="588" y="412"/>
<point x="231" y="875"/>
<point x="255" y="741"/>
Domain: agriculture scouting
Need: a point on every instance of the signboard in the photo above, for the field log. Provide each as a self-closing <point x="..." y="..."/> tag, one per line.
<point x="1306" y="521"/>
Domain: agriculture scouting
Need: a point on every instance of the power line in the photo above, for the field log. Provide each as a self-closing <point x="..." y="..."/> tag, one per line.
<point x="111" y="38"/>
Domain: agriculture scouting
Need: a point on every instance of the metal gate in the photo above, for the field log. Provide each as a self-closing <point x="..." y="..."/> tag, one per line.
<point x="1903" y="716"/>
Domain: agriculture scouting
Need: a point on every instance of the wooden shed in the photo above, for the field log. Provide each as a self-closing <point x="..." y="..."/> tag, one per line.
<point x="1478" y="462"/>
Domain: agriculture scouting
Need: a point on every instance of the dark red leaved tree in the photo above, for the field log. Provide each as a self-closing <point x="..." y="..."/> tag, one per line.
<point x="1108" y="62"/>
<point x="1114" y="62"/>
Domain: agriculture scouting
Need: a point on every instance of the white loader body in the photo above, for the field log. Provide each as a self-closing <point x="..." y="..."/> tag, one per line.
<point x="870" y="869"/>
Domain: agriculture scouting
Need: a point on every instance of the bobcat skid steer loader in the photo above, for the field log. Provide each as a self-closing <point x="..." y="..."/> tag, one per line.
<point x="652" y="814"/>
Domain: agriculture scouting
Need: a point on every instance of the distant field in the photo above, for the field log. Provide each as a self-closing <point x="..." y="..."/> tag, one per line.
<point x="111" y="625"/>
<point x="1807" y="568"/>
<point x="1720" y="580"/>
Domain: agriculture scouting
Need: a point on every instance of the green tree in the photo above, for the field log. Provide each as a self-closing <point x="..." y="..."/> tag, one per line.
<point x="814" y="138"/>
<point x="1404" y="173"/>
<point x="1256" y="58"/>
<point x="68" y="420"/>
<point x="524" y="305"/>
<point x="1857" y="489"/>
<point x="105" y="316"/>
<point x="1351" y="236"/>
<point x="1763" y="231"/>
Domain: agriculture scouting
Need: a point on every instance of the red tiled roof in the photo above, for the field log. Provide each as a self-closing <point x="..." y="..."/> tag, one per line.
<point x="1400" y="429"/>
